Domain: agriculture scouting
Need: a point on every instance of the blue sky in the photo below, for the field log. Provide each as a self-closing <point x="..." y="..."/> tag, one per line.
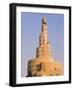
<point x="30" y="31"/>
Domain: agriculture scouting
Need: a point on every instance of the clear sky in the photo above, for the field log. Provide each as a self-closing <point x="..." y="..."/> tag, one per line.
<point x="30" y="31"/>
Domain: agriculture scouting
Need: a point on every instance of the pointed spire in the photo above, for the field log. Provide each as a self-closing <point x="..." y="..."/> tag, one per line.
<point x="43" y="39"/>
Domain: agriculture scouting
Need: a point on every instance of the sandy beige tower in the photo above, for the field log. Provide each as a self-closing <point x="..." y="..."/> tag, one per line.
<point x="44" y="64"/>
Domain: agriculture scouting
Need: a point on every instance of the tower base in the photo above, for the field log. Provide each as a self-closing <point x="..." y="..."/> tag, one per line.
<point x="44" y="67"/>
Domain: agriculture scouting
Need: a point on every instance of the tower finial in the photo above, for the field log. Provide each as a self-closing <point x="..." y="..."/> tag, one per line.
<point x="44" y="20"/>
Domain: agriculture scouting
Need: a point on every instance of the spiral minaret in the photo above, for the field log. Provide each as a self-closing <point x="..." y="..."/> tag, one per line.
<point x="44" y="64"/>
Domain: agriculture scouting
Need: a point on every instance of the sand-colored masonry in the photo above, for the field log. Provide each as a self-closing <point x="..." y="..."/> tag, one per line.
<point x="44" y="64"/>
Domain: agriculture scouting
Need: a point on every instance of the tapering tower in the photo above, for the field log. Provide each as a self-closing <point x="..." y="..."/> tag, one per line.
<point x="43" y="39"/>
<point x="44" y="64"/>
<point x="44" y="46"/>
